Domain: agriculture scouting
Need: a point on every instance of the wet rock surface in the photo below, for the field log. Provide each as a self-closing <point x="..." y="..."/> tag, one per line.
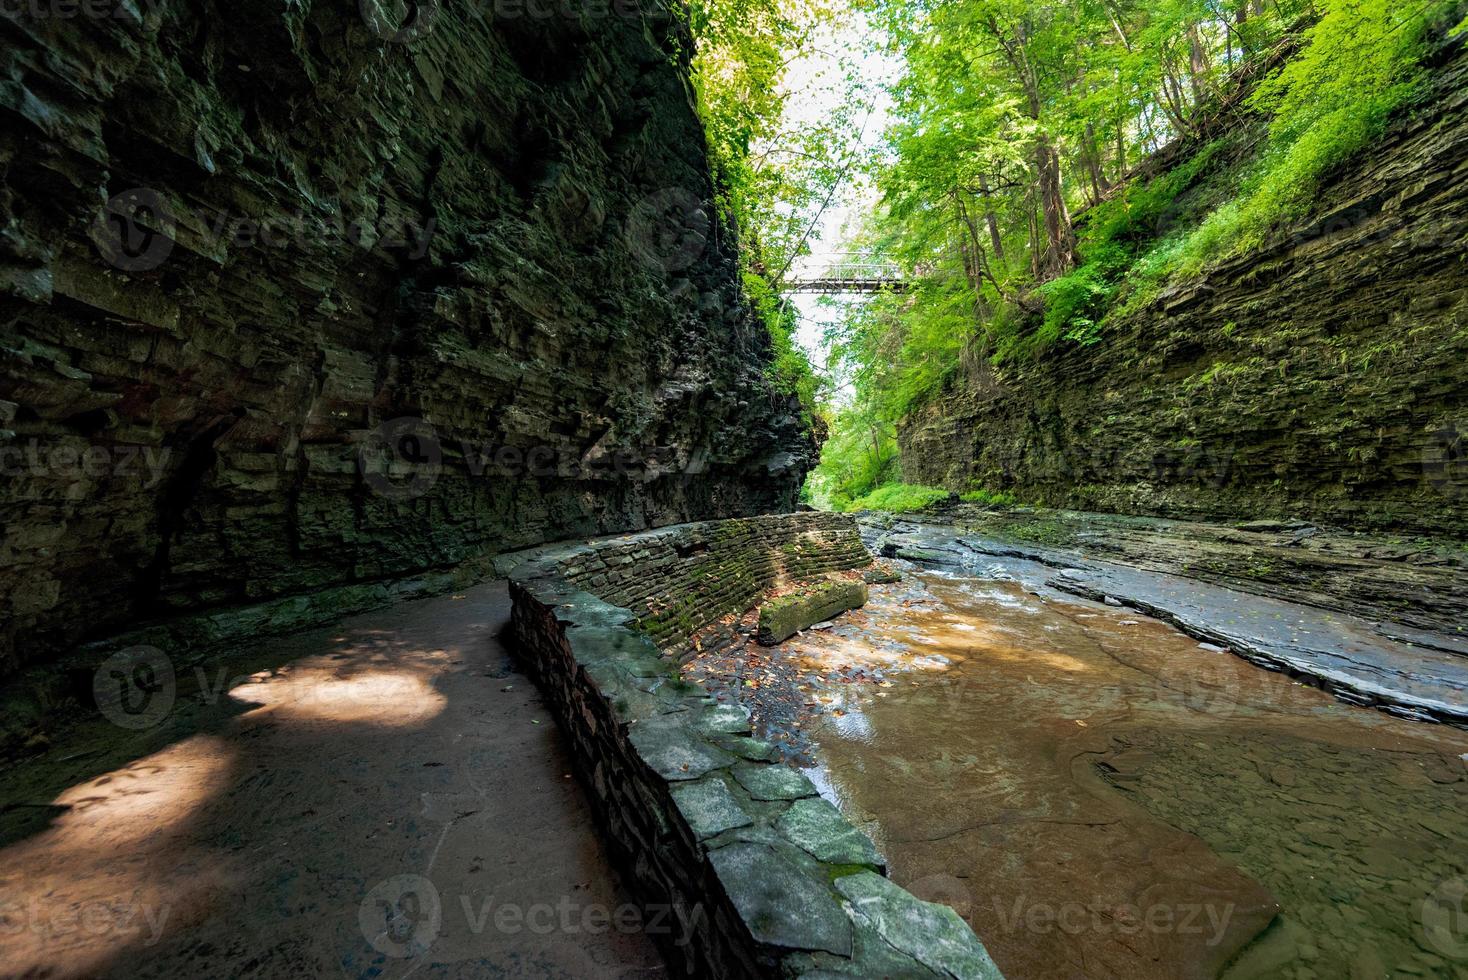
<point x="1357" y="660"/>
<point x="1100" y="795"/>
<point x="1406" y="584"/>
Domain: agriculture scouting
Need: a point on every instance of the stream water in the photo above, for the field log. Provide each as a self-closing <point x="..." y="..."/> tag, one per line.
<point x="1102" y="796"/>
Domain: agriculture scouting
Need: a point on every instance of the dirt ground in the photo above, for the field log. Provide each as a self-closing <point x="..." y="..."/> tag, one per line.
<point x="383" y="798"/>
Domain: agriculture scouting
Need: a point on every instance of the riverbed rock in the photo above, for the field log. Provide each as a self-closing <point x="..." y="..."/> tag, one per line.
<point x="782" y="618"/>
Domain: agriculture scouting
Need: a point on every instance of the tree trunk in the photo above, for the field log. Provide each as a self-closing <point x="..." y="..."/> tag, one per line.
<point x="1060" y="244"/>
<point x="1197" y="65"/>
<point x="991" y="220"/>
<point x="1099" y="184"/>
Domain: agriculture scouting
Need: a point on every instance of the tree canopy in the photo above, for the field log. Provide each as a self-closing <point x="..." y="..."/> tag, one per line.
<point x="1053" y="164"/>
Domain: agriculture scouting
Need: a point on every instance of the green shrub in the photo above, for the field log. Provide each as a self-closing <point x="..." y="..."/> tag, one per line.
<point x="1074" y="305"/>
<point x="990" y="498"/>
<point x="899" y="498"/>
<point x="1359" y="63"/>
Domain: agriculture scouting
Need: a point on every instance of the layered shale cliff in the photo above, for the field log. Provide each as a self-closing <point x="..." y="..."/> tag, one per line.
<point x="296" y="298"/>
<point x="1324" y="376"/>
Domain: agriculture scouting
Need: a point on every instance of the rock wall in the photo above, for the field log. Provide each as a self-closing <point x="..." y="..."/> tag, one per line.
<point x="1324" y="376"/>
<point x="298" y="298"/>
<point x="753" y="873"/>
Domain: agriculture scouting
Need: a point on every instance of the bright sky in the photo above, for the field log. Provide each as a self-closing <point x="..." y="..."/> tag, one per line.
<point x="816" y="83"/>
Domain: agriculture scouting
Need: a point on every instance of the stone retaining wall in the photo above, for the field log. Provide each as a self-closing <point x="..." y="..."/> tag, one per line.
<point x="762" y="877"/>
<point x="680" y="579"/>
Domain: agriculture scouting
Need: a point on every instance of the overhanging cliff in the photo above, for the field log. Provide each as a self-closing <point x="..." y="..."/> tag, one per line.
<point x="297" y="296"/>
<point x="1324" y="376"/>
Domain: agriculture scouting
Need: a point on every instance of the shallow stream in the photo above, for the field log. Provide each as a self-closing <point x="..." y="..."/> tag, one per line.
<point x="1102" y="796"/>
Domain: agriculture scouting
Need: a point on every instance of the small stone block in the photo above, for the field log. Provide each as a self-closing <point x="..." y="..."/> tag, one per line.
<point x="820" y="829"/>
<point x="783" y="618"/>
<point x="724" y="719"/>
<point x="709" y="807"/>
<point x="774" y="782"/>
<point x="675" y="753"/>
<point x="932" y="934"/>
<point x="780" y="904"/>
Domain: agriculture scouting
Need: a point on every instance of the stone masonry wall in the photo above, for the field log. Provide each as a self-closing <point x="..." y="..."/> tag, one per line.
<point x="762" y="876"/>
<point x="679" y="580"/>
<point x="297" y="300"/>
<point x="1324" y="376"/>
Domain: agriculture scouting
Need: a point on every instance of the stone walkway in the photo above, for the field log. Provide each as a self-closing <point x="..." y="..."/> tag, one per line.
<point x="380" y="799"/>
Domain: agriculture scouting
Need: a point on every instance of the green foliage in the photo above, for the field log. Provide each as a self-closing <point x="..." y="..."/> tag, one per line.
<point x="990" y="498"/>
<point x="899" y="498"/>
<point x="990" y="84"/>
<point x="860" y="455"/>
<point x="1358" y="64"/>
<point x="1074" y="305"/>
<point x="771" y="181"/>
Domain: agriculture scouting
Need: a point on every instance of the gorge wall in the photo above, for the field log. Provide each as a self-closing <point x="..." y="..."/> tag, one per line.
<point x="300" y="296"/>
<point x="1324" y="376"/>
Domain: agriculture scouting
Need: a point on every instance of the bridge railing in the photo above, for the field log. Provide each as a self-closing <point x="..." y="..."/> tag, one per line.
<point x="853" y="276"/>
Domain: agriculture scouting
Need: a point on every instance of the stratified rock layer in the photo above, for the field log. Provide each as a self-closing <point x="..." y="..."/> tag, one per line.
<point x="1323" y="376"/>
<point x="295" y="299"/>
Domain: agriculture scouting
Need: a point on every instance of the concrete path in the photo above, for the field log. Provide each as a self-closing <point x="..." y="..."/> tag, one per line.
<point x="1353" y="658"/>
<point x="381" y="799"/>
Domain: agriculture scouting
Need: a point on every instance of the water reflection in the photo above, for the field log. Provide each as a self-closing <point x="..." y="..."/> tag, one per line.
<point x="1102" y="796"/>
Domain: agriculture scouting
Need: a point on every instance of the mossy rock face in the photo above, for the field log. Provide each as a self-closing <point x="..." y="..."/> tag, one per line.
<point x="783" y="618"/>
